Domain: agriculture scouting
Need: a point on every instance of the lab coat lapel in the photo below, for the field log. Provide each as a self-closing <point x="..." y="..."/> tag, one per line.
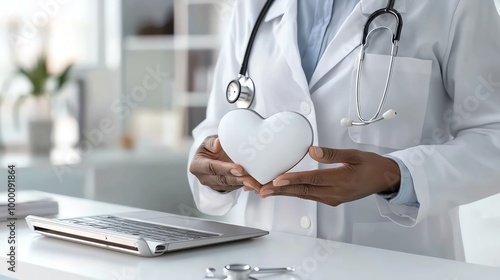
<point x="347" y="39"/>
<point x="349" y="35"/>
<point x="278" y="8"/>
<point x="285" y="33"/>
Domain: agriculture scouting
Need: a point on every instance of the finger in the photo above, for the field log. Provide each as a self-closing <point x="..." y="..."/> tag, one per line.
<point x="212" y="144"/>
<point x="268" y="185"/>
<point x="313" y="198"/>
<point x="327" y="155"/>
<point x="205" y="166"/>
<point x="216" y="180"/>
<point x="307" y="197"/>
<point x="322" y="177"/>
<point x="298" y="190"/>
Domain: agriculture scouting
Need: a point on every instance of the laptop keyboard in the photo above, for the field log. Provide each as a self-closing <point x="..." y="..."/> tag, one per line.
<point x="145" y="230"/>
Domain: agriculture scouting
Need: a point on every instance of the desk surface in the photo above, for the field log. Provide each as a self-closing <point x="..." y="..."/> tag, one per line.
<point x="46" y="258"/>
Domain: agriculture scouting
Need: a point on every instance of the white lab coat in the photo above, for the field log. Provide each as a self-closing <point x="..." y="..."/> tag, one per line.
<point x="445" y="89"/>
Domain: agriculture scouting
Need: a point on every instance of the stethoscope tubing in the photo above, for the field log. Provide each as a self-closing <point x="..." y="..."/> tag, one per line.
<point x="376" y="116"/>
<point x="246" y="99"/>
<point x="253" y="35"/>
<point x="394" y="51"/>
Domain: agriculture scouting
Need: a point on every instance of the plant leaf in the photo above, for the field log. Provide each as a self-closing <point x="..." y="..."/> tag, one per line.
<point x="26" y="73"/>
<point x="63" y="78"/>
<point x="37" y="76"/>
<point x="40" y="76"/>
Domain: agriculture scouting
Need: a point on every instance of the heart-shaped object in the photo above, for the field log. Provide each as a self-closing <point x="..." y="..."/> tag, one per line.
<point x="265" y="148"/>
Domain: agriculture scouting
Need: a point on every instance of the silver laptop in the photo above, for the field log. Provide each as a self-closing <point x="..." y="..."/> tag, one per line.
<point x="143" y="233"/>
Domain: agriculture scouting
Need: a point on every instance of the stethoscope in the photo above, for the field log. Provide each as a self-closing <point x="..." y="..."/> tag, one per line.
<point x="242" y="89"/>
<point x="243" y="272"/>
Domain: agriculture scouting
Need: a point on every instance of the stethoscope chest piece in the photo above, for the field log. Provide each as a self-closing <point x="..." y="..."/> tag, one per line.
<point x="243" y="271"/>
<point x="241" y="91"/>
<point x="238" y="272"/>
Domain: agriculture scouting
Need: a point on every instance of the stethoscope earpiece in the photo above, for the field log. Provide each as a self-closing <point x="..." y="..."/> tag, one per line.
<point x="345" y="122"/>
<point x="388" y="115"/>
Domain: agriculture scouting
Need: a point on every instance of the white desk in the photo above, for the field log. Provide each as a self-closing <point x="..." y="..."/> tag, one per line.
<point x="47" y="258"/>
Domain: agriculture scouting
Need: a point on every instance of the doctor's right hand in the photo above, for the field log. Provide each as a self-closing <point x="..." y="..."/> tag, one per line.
<point x="216" y="170"/>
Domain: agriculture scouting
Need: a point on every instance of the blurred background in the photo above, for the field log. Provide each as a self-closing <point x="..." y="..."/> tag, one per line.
<point x="98" y="99"/>
<point x="134" y="68"/>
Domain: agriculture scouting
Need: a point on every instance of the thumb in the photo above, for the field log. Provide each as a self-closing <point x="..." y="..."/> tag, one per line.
<point x="213" y="145"/>
<point x="326" y="155"/>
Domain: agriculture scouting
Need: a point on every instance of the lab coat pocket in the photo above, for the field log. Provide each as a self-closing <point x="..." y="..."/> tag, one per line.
<point x="407" y="95"/>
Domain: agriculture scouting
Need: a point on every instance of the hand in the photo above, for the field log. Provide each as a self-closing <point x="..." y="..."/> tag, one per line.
<point x="361" y="174"/>
<point x="215" y="169"/>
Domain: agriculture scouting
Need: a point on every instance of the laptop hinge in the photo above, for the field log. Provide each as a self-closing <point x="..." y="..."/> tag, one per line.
<point x="83" y="238"/>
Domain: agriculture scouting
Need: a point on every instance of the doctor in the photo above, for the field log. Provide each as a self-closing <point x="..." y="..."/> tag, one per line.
<point x="400" y="181"/>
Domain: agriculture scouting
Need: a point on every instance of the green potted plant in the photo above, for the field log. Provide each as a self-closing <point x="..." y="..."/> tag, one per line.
<point x="37" y="103"/>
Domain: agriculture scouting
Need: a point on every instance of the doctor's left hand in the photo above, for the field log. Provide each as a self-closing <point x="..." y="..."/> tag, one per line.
<point x="360" y="174"/>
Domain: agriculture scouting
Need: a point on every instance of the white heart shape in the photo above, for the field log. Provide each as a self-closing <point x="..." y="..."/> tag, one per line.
<point x="266" y="148"/>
